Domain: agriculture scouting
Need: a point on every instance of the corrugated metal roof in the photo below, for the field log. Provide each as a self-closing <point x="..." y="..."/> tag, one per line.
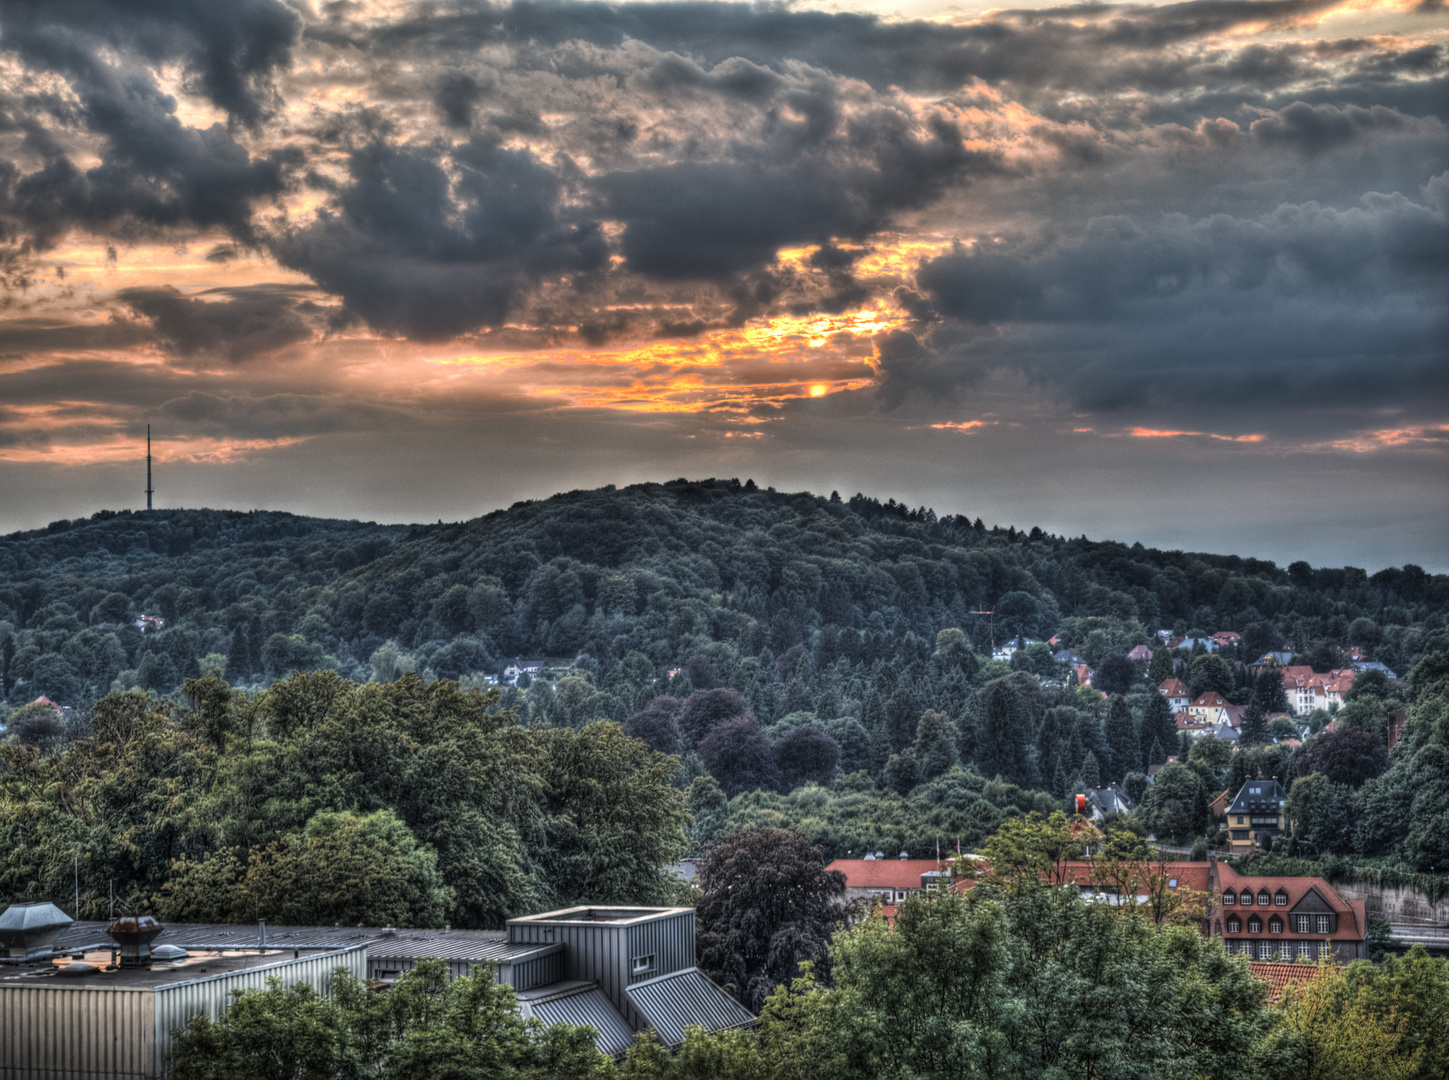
<point x="673" y="1002"/>
<point x="588" y="1007"/>
<point x="382" y="941"/>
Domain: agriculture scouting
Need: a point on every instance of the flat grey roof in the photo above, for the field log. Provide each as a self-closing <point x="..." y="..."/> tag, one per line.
<point x="457" y="943"/>
<point x="197" y="967"/>
<point x="591" y="915"/>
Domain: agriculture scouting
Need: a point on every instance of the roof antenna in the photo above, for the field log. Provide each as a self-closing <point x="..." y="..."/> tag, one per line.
<point x="149" y="491"/>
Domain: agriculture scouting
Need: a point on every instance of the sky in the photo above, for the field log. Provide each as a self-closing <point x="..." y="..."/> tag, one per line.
<point x="1173" y="273"/>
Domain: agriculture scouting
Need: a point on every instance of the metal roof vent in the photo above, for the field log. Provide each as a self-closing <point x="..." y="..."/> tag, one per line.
<point x="27" y="931"/>
<point x="134" y="935"/>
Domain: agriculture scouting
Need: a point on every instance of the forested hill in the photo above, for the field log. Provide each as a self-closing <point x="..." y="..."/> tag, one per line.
<point x="653" y="572"/>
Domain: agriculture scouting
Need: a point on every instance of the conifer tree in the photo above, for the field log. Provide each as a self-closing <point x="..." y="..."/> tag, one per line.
<point x="1091" y="773"/>
<point x="1159" y="728"/>
<point x="1122" y="742"/>
<point x="1255" y="728"/>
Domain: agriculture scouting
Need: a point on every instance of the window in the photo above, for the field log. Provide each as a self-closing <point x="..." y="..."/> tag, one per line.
<point x="1172" y="883"/>
<point x="1255" y="925"/>
<point x="1230" y="897"/>
<point x="1305" y="950"/>
<point x="1275" y="925"/>
<point x="1265" y="949"/>
<point x="1263" y="900"/>
<point x="930" y="886"/>
<point x="1323" y="924"/>
<point x="900" y="895"/>
<point x="643" y="964"/>
<point x="1302" y="924"/>
<point x="1240" y="819"/>
<point x="1235" y="925"/>
<point x="1246" y="898"/>
<point x="1281" y="898"/>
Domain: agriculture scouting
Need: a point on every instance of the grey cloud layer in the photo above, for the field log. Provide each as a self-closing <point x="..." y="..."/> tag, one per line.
<point x="1185" y="209"/>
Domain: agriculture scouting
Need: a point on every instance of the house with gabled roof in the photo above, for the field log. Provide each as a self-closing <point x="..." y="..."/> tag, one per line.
<point x="1256" y="815"/>
<point x="890" y="881"/>
<point x="1308" y="690"/>
<point x="1210" y="707"/>
<point x="1140" y="652"/>
<point x="1227" y="638"/>
<point x="1176" y="692"/>
<point x="1301" y="918"/>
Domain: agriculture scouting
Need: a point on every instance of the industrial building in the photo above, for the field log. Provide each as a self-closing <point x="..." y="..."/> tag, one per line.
<point x="81" y="999"/>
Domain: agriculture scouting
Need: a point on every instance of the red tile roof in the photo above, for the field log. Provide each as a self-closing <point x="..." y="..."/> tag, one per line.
<point x="1209" y="699"/>
<point x="1189" y="875"/>
<point x="1280" y="976"/>
<point x="884" y="873"/>
<point x="1352" y="921"/>
<point x="1140" y="652"/>
<point x="1173" y="687"/>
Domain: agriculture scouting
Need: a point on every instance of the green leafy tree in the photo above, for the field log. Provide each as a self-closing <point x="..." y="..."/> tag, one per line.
<point x="1175" y="807"/>
<point x="343" y="867"/>
<point x="1209" y="672"/>
<point x="426" y="1026"/>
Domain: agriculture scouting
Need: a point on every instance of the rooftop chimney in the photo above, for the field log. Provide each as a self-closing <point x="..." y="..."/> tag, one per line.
<point x="134" y="935"/>
<point x="27" y="931"/>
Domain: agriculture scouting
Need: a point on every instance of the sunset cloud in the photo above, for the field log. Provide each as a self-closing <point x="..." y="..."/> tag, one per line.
<point x="275" y="230"/>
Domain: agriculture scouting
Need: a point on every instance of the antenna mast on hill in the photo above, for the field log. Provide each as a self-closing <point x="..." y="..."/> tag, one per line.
<point x="149" y="492"/>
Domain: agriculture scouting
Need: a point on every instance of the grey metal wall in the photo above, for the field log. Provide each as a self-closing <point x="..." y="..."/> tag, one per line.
<point x="177" y="1003"/>
<point x="538" y="971"/>
<point x="670" y="941"/>
<point x="50" y="1032"/>
<point x="595" y="951"/>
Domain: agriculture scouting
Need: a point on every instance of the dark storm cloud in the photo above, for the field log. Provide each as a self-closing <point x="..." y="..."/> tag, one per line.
<point x="1033" y="45"/>
<point x="156" y="172"/>
<point x="1320" y="305"/>
<point x="1388" y="245"/>
<point x="431" y="243"/>
<point x="231" y="49"/>
<point x="235" y="323"/>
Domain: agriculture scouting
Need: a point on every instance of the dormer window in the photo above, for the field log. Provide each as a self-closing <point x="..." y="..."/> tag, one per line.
<point x="1235" y="925"/>
<point x="1230" y="898"/>
<point x="1280" y="898"/>
<point x="1246" y="898"/>
<point x="1263" y="898"/>
<point x="1302" y="924"/>
<point x="1275" y="925"/>
<point x="1255" y="925"/>
<point x="643" y="965"/>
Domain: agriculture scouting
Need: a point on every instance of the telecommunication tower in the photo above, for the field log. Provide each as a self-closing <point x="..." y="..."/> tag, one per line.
<point x="149" y="491"/>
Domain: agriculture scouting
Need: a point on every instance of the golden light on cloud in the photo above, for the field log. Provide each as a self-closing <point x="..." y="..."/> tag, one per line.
<point x="1363" y="442"/>
<point x="1154" y="433"/>
<point x="763" y="364"/>
<point x="120" y="449"/>
<point x="965" y="425"/>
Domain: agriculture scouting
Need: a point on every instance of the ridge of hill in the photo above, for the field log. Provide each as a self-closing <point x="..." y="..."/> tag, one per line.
<point x="663" y="570"/>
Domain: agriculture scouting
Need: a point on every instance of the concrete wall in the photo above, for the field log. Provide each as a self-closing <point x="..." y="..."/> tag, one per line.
<point x="1397" y="904"/>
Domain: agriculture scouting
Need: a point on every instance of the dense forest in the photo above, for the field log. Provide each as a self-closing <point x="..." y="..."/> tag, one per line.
<point x="762" y="658"/>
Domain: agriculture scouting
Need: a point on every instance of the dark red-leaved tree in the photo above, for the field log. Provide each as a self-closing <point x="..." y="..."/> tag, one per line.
<point x="707" y="709"/>
<point x="739" y="755"/>
<point x="806" y="754"/>
<point x="768" y="904"/>
<point x="1351" y="756"/>
<point x="657" y="724"/>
